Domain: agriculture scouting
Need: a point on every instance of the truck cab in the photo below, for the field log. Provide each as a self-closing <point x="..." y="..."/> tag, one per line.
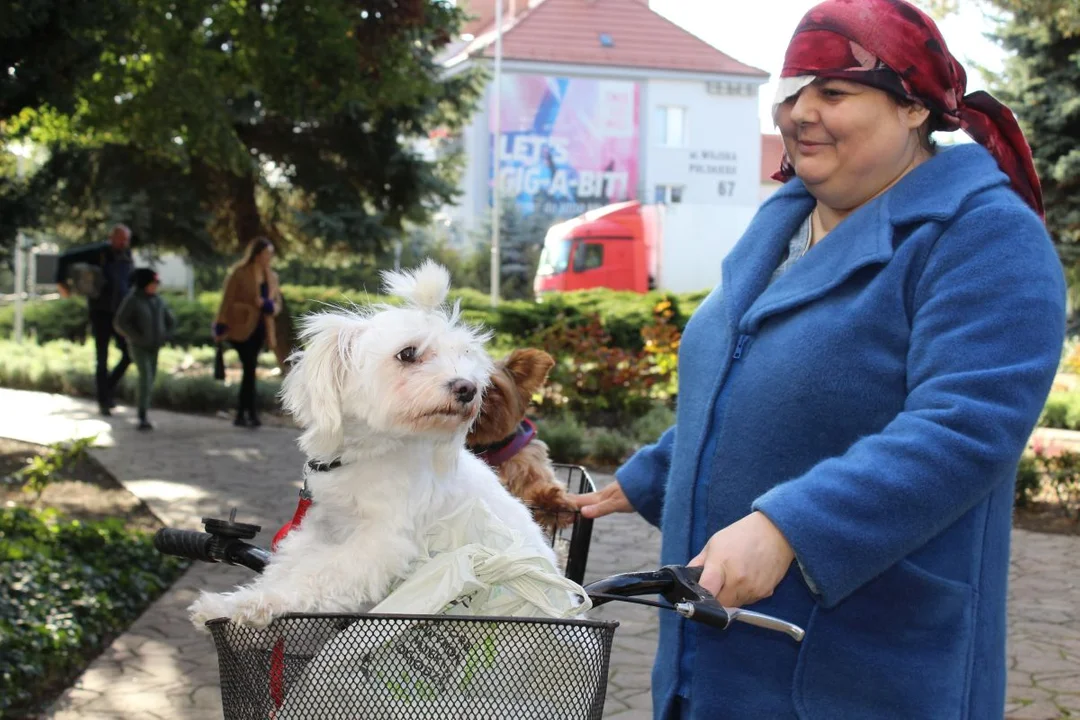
<point x="611" y="247"/>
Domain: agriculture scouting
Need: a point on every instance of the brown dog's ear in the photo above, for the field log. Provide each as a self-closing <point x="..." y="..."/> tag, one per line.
<point x="529" y="368"/>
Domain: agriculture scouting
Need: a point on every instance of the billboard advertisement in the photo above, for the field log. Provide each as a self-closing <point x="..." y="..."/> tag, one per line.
<point x="568" y="144"/>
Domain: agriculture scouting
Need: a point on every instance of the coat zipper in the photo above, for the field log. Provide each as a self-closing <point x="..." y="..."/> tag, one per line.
<point x="740" y="347"/>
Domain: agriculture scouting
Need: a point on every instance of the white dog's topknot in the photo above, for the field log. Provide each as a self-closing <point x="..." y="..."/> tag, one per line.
<point x="426" y="287"/>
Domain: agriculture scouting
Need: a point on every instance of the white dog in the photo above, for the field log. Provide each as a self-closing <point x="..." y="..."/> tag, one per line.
<point x="390" y="395"/>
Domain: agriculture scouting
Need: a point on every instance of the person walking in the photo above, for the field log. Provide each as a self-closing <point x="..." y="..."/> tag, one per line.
<point x="100" y="273"/>
<point x="250" y="300"/>
<point x="146" y="322"/>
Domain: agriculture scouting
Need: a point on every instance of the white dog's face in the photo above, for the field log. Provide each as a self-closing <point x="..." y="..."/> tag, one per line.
<point x="404" y="371"/>
<point x="414" y="372"/>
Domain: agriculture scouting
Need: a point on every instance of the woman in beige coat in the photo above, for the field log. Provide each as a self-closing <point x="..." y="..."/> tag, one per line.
<point x="249" y="302"/>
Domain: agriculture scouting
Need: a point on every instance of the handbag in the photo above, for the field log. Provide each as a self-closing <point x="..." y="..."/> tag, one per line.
<point x="219" y="362"/>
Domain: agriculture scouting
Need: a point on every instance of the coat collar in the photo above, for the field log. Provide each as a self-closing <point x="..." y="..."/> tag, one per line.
<point x="933" y="191"/>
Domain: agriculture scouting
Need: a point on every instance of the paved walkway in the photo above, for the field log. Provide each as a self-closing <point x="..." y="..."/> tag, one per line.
<point x="195" y="466"/>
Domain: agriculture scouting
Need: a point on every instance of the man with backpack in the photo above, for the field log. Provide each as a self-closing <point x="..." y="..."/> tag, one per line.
<point x="100" y="273"/>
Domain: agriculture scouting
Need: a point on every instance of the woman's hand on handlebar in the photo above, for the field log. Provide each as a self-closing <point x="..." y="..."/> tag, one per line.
<point x="745" y="561"/>
<point x="611" y="499"/>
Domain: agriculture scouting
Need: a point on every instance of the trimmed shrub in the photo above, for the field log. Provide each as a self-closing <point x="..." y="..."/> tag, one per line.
<point x="624" y="314"/>
<point x="610" y="447"/>
<point x="565" y="438"/>
<point x="648" y="428"/>
<point x="1028" y="481"/>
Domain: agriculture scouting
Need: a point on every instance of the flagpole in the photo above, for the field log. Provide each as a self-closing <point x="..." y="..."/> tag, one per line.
<point x="496" y="210"/>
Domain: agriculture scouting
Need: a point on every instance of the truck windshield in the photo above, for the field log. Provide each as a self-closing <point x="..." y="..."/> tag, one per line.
<point x="555" y="258"/>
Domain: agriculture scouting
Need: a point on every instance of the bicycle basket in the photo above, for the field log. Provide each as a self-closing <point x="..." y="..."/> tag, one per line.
<point x="401" y="667"/>
<point x="571" y="543"/>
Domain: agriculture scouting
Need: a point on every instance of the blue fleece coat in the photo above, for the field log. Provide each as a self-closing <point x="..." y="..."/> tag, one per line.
<point x="873" y="402"/>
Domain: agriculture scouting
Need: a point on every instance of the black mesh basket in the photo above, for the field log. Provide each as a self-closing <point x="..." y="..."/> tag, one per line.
<point x="422" y="667"/>
<point x="571" y="543"/>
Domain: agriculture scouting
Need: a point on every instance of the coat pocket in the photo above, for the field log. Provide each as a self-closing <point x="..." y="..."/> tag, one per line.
<point x="897" y="648"/>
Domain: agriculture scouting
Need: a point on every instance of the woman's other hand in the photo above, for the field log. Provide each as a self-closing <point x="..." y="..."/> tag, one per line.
<point x="745" y="561"/>
<point x="603" y="502"/>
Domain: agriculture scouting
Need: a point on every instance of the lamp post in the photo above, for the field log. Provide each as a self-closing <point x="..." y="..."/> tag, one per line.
<point x="496" y="210"/>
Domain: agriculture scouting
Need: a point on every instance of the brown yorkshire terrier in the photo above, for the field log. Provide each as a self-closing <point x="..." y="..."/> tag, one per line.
<point x="506" y="440"/>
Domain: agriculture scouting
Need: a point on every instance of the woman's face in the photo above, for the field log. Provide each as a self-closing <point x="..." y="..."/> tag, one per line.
<point x="265" y="257"/>
<point x="849" y="142"/>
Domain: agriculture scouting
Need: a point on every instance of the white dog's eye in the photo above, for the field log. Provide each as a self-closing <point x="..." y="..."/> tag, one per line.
<point x="408" y="355"/>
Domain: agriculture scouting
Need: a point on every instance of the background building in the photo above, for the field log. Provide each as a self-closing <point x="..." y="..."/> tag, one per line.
<point x="604" y="101"/>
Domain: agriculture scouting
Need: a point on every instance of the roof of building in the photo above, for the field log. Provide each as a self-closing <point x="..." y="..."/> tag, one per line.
<point x="622" y="33"/>
<point x="772" y="152"/>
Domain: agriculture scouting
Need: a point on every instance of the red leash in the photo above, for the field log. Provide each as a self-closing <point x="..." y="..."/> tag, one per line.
<point x="277" y="655"/>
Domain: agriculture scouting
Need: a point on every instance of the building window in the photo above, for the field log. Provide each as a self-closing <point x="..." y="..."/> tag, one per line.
<point x="588" y="256"/>
<point x="668" y="194"/>
<point x="671" y="126"/>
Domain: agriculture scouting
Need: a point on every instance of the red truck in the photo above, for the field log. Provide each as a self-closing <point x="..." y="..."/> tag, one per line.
<point x="613" y="247"/>
<point x="636" y="247"/>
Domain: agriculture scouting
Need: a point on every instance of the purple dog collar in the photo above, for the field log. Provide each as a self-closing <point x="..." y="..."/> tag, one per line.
<point x="498" y="453"/>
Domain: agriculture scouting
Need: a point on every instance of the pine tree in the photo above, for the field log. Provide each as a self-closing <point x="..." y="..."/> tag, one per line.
<point x="1042" y="85"/>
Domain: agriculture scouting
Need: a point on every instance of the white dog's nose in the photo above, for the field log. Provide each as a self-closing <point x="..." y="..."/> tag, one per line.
<point x="464" y="391"/>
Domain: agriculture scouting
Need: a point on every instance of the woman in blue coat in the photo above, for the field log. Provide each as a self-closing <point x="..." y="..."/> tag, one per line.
<point x="856" y="395"/>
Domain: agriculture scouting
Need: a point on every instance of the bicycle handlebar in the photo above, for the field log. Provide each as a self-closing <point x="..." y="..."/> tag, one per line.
<point x="226" y="542"/>
<point x="679" y="586"/>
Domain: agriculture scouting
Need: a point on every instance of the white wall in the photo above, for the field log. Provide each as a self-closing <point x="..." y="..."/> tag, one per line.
<point x="719" y="167"/>
<point x="468" y="215"/>
<point x="768" y="188"/>
<point x="175" y="271"/>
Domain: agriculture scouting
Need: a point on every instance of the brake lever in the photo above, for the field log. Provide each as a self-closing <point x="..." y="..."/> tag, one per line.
<point x="692" y="601"/>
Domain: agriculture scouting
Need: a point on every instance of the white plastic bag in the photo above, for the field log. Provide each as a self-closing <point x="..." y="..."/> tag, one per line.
<point x="476" y="566"/>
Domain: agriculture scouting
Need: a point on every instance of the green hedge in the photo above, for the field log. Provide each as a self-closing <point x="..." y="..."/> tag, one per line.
<point x="623" y="313"/>
<point x="66" y="589"/>
<point x="1062" y="410"/>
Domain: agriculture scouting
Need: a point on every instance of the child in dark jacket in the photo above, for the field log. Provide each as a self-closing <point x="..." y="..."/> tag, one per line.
<point x="146" y="321"/>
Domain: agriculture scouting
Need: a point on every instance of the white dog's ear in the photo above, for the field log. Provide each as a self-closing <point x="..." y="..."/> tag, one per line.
<point x="426" y="287"/>
<point x="311" y="391"/>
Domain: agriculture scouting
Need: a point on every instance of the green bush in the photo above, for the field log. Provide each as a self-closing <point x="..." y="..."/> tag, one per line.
<point x="1056" y="469"/>
<point x="1028" y="481"/>
<point x="44" y="469"/>
<point x="1062" y="410"/>
<point x="623" y="313"/>
<point x="565" y="438"/>
<point x="1055" y="414"/>
<point x="610" y="447"/>
<point x="648" y="428"/>
<point x="601" y="383"/>
<point x="67" y="588"/>
<point x="48" y="321"/>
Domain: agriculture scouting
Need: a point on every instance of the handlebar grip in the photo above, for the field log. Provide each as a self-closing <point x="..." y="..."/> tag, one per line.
<point x="190" y="544"/>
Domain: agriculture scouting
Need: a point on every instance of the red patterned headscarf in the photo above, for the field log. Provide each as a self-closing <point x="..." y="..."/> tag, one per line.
<point x="892" y="45"/>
